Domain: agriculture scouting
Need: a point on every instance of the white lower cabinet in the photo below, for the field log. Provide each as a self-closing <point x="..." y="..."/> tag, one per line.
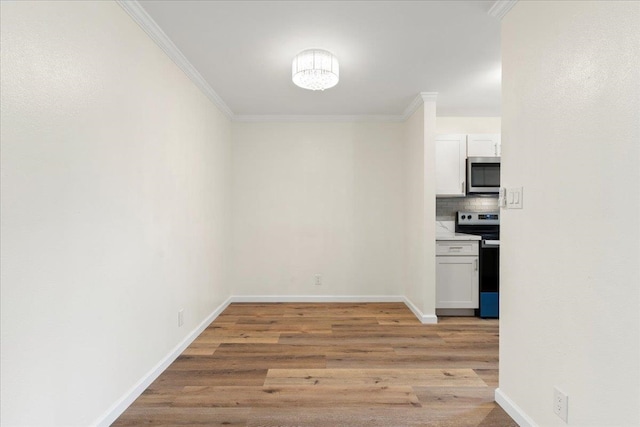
<point x="457" y="278"/>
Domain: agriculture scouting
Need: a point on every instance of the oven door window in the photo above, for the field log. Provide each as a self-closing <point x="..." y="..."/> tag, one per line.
<point x="485" y="175"/>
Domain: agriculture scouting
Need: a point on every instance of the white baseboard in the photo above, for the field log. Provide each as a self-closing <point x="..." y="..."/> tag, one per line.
<point x="316" y="298"/>
<point x="423" y="318"/>
<point x="514" y="411"/>
<point x="127" y="399"/>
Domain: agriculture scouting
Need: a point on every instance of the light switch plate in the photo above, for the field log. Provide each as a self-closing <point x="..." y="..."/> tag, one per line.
<point x="514" y="198"/>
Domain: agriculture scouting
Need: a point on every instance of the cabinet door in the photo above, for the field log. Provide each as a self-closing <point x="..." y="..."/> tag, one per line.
<point x="457" y="282"/>
<point x="483" y="145"/>
<point x="450" y="165"/>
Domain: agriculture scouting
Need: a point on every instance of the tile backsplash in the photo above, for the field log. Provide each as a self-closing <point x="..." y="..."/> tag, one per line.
<point x="446" y="208"/>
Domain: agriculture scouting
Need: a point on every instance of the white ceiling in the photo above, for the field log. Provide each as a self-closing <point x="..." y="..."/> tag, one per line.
<point x="389" y="52"/>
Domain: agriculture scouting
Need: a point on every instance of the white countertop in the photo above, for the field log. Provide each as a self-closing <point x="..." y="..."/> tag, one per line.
<point x="445" y="231"/>
<point x="456" y="236"/>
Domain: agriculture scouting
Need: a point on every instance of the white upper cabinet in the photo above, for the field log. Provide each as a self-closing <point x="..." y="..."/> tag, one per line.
<point x="450" y="165"/>
<point x="483" y="145"/>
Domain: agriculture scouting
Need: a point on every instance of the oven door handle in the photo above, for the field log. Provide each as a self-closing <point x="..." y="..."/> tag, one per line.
<point x="490" y="244"/>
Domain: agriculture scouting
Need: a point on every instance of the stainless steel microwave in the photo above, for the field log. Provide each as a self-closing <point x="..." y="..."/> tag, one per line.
<point x="483" y="175"/>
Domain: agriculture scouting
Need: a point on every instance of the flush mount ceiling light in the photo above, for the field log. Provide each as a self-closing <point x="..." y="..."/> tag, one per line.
<point x="315" y="69"/>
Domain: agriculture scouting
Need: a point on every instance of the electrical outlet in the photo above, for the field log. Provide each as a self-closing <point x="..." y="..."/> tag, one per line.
<point x="318" y="280"/>
<point x="560" y="404"/>
<point x="180" y="317"/>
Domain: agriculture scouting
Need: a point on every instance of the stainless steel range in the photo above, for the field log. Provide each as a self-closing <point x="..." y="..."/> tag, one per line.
<point x="486" y="225"/>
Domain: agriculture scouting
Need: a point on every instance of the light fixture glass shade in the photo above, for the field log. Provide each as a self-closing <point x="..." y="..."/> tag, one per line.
<point x="315" y="69"/>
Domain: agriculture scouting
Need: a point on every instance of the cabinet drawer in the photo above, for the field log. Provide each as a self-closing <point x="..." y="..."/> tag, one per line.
<point x="457" y="247"/>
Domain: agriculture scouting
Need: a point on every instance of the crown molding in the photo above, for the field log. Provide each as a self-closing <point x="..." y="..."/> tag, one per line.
<point x="411" y="108"/>
<point x="149" y="26"/>
<point x="417" y="102"/>
<point x="501" y="7"/>
<point x="261" y="118"/>
<point x="429" y="96"/>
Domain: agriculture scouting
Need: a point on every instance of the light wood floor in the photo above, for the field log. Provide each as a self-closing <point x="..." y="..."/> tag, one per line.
<point x="329" y="365"/>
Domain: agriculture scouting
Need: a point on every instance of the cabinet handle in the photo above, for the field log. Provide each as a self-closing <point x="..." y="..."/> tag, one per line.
<point x="476" y="265"/>
<point x="462" y="187"/>
<point x="455" y="247"/>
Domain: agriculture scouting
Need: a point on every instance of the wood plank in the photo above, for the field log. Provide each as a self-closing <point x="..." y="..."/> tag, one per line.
<point x="261" y="349"/>
<point x="172" y="416"/>
<point x="298" y="396"/>
<point x="307" y="320"/>
<point x="497" y="417"/>
<point x="457" y="337"/>
<point x="471" y="321"/>
<point x="217" y="337"/>
<point x="489" y="376"/>
<point x="158" y="398"/>
<point x="248" y="361"/>
<point x="447" y="348"/>
<point x="200" y="349"/>
<point x="370" y="417"/>
<point x="392" y="321"/>
<point x="425" y="361"/>
<point x="212" y="377"/>
<point x="224" y="317"/>
<point x="450" y="397"/>
<point x="377" y="328"/>
<point x="357" y="340"/>
<point x="373" y="377"/>
<point x="235" y="328"/>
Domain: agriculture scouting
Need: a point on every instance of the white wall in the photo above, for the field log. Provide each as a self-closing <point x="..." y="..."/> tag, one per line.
<point x="468" y="125"/>
<point x="570" y="260"/>
<point x="415" y="223"/>
<point x="429" y="137"/>
<point x="419" y="189"/>
<point x="114" y="209"/>
<point x="317" y="198"/>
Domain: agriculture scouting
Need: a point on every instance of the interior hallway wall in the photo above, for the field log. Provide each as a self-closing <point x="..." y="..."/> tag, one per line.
<point x="570" y="259"/>
<point x="115" y="209"/>
<point x="419" y="133"/>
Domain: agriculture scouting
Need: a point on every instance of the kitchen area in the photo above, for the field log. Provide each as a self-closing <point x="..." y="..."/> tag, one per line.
<point x="468" y="224"/>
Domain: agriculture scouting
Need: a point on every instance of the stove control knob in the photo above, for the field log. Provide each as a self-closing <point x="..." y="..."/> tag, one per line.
<point x="463" y="216"/>
<point x="469" y="217"/>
